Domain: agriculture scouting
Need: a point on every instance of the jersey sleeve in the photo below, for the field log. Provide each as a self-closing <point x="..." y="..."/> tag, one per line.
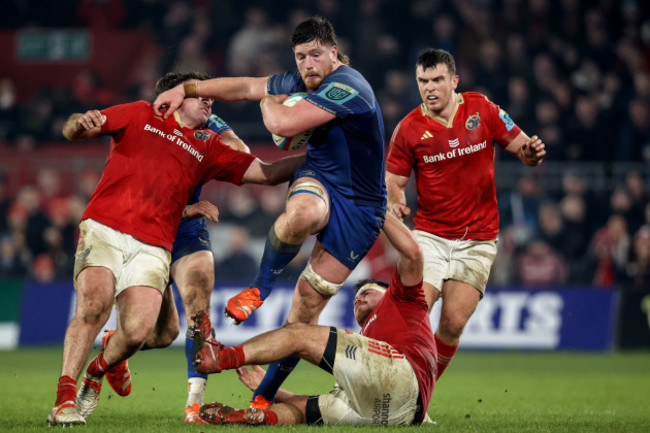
<point x="227" y="164"/>
<point x="400" y="158"/>
<point x="342" y="96"/>
<point x="286" y="83"/>
<point x="413" y="294"/>
<point x="119" y="116"/>
<point x="503" y="128"/>
<point x="217" y="124"/>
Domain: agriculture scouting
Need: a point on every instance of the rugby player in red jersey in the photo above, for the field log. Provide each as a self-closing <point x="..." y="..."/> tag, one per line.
<point x="385" y="374"/>
<point x="449" y="141"/>
<point x="127" y="230"/>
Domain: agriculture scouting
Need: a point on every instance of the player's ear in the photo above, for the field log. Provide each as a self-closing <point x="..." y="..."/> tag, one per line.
<point x="334" y="52"/>
<point x="454" y="81"/>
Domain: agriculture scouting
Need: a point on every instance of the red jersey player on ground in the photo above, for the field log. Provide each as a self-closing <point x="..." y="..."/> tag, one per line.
<point x="128" y="228"/>
<point x="385" y="375"/>
<point x="449" y="142"/>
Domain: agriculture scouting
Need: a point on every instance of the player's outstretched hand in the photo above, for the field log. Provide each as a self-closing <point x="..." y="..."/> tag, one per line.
<point x="251" y="377"/>
<point x="202" y="208"/>
<point x="170" y="99"/>
<point x="534" y="150"/>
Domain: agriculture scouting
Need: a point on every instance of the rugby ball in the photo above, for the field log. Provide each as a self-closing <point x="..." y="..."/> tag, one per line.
<point x="297" y="141"/>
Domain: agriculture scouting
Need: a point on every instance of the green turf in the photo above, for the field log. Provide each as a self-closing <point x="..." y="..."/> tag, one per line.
<point x="481" y="392"/>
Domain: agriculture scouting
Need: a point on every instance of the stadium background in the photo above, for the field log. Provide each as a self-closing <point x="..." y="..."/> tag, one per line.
<point x="573" y="270"/>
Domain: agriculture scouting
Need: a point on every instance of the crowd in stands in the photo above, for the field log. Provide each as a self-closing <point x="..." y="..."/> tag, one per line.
<point x="575" y="72"/>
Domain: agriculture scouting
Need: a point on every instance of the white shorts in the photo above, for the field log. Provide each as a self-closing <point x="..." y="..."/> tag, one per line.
<point x="132" y="262"/>
<point x="375" y="384"/>
<point x="468" y="261"/>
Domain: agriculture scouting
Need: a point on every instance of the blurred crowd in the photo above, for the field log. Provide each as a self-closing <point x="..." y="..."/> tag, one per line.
<point x="575" y="72"/>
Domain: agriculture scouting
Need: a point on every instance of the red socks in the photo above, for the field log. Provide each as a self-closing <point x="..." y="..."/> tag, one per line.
<point x="66" y="390"/>
<point x="231" y="357"/>
<point x="98" y="366"/>
<point x="270" y="417"/>
<point x="445" y="355"/>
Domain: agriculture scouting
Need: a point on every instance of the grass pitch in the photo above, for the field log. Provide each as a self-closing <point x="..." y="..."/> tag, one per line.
<point x="480" y="392"/>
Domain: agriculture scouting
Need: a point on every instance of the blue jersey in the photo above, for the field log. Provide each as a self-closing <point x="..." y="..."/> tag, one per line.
<point x="192" y="228"/>
<point x="347" y="152"/>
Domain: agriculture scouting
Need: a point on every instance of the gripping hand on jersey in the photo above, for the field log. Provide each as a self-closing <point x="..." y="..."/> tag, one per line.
<point x="400" y="210"/>
<point x="203" y="208"/>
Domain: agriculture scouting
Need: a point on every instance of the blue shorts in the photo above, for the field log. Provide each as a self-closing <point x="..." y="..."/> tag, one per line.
<point x="352" y="229"/>
<point x="190" y="241"/>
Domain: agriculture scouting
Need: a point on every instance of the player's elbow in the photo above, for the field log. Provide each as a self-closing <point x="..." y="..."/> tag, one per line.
<point x="413" y="255"/>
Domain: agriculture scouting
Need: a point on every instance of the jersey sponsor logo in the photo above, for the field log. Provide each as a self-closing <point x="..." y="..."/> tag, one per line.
<point x="454" y="143"/>
<point x="338" y="93"/>
<point x="202" y="135"/>
<point x="426" y="135"/>
<point x="506" y="119"/>
<point x="351" y="352"/>
<point x="454" y="153"/>
<point x="473" y="121"/>
<point x="381" y="409"/>
<point x="176" y="140"/>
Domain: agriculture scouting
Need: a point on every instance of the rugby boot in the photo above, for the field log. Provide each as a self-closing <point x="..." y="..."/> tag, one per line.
<point x="206" y="347"/>
<point x="119" y="376"/>
<point x="217" y="413"/>
<point x="259" y="402"/>
<point x="242" y="305"/>
<point x="88" y="395"/>
<point x="65" y="415"/>
<point x="192" y="415"/>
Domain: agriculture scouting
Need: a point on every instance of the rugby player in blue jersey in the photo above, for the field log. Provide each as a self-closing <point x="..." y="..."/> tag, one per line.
<point x="338" y="194"/>
<point x="193" y="272"/>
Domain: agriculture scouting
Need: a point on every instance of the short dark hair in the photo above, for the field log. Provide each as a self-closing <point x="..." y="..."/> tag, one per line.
<point x="173" y="79"/>
<point x="317" y="29"/>
<point x="435" y="56"/>
<point x="365" y="281"/>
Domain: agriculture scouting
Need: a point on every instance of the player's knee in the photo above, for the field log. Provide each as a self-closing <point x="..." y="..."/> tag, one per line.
<point x="452" y="325"/>
<point x="135" y="336"/>
<point x="304" y="219"/>
<point x="167" y="337"/>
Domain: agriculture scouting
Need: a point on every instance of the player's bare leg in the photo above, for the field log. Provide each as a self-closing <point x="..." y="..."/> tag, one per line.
<point x="95" y="289"/>
<point x="167" y="325"/>
<point x="459" y="301"/>
<point x="298" y="339"/>
<point x="194" y="277"/>
<point x="138" y="308"/>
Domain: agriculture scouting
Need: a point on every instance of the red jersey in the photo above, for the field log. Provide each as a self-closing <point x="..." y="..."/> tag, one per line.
<point x="152" y="168"/>
<point x="401" y="319"/>
<point x="454" y="166"/>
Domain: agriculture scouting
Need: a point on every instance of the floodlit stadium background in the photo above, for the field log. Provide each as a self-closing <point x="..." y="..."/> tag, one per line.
<point x="573" y="270"/>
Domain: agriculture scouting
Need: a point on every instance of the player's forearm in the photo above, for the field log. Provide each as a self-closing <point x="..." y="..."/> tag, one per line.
<point x="71" y="127"/>
<point x="272" y="173"/>
<point x="284" y="396"/>
<point x="396" y="188"/>
<point x="231" y="88"/>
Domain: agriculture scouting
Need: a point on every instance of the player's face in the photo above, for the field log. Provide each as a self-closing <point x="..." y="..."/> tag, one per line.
<point x="436" y="86"/>
<point x="315" y="62"/>
<point x="196" y="111"/>
<point x="364" y="303"/>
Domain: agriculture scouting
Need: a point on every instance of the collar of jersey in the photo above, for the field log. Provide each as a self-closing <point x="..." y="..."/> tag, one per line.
<point x="446" y="123"/>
